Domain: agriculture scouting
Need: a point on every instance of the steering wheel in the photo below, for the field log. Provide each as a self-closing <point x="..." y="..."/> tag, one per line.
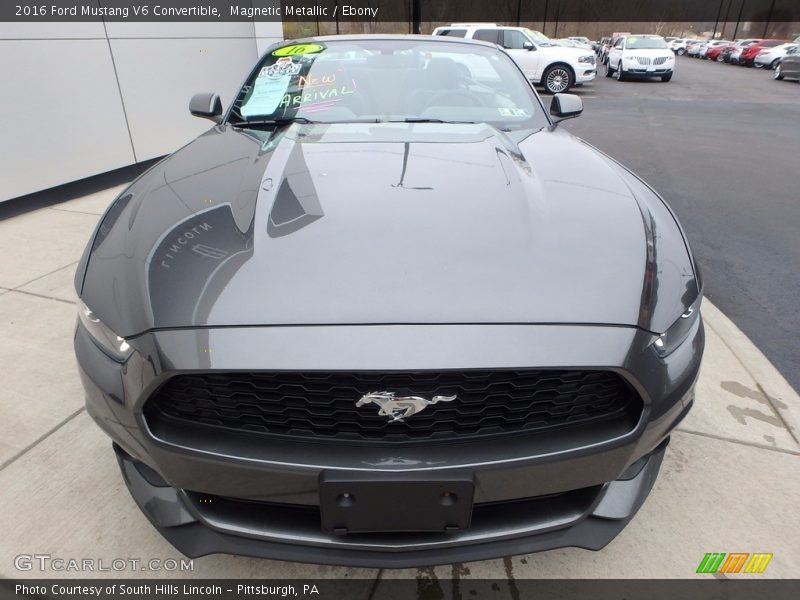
<point x="458" y="95"/>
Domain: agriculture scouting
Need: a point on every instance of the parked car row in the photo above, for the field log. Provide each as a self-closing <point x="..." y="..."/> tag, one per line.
<point x="752" y="52"/>
<point x="559" y="64"/>
<point x="781" y="56"/>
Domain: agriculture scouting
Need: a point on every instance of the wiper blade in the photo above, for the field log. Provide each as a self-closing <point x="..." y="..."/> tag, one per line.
<point x="301" y="120"/>
<point x="271" y="122"/>
<point x="427" y="120"/>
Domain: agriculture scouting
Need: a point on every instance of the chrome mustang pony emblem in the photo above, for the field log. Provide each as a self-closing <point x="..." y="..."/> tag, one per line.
<point x="398" y="408"/>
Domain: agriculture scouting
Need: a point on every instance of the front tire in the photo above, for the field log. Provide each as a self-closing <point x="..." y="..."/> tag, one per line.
<point x="775" y="64"/>
<point x="558" y="79"/>
<point x="609" y="70"/>
<point x="777" y="75"/>
<point x="681" y="52"/>
<point x="720" y="58"/>
<point x="620" y="72"/>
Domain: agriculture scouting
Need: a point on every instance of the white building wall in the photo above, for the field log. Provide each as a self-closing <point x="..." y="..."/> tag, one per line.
<point x="79" y="99"/>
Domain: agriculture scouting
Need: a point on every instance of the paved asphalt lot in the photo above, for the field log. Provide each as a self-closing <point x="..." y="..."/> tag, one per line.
<point x="722" y="144"/>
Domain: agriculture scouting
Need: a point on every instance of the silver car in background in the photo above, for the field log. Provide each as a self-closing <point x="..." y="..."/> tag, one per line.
<point x="771" y="57"/>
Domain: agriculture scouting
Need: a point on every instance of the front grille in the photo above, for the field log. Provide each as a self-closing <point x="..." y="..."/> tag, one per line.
<point x="321" y="405"/>
<point x="647" y="61"/>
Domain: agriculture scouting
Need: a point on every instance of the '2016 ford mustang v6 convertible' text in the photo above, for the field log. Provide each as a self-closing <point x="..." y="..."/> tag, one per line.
<point x="385" y="312"/>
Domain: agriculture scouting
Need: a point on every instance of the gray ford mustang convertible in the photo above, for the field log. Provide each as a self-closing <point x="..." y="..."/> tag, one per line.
<point x="385" y="312"/>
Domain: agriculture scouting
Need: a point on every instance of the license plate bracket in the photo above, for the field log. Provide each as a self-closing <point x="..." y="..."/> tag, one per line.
<point x="372" y="503"/>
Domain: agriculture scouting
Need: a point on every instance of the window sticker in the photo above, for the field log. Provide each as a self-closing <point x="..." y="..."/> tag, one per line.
<point x="270" y="87"/>
<point x="282" y="66"/>
<point x="296" y="49"/>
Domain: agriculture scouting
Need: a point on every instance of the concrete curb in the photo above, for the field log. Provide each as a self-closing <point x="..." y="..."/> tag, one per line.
<point x="782" y="397"/>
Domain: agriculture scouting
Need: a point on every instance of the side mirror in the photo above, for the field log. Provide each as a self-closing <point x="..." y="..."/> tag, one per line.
<point x="566" y="106"/>
<point x="528" y="46"/>
<point x="206" y="106"/>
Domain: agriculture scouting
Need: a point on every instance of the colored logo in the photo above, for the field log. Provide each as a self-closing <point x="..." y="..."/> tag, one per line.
<point x="734" y="562"/>
<point x="297" y="49"/>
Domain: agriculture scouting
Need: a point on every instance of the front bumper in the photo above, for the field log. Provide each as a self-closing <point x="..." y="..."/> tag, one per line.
<point x="198" y="525"/>
<point x="586" y="74"/>
<point x="257" y="497"/>
<point x="637" y="70"/>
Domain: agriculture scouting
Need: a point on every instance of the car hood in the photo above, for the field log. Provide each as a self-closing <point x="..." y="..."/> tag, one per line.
<point x="651" y="52"/>
<point x="565" y="51"/>
<point x="381" y="223"/>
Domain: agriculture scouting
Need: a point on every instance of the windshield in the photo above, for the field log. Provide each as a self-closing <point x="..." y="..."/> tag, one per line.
<point x="539" y="38"/>
<point x="645" y="43"/>
<point x="388" y="80"/>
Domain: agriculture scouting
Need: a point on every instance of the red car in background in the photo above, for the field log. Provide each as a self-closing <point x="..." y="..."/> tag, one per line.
<point x="718" y="52"/>
<point x="749" y="54"/>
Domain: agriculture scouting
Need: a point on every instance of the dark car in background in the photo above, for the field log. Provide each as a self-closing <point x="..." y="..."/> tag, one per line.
<point x="789" y="65"/>
<point x="605" y="45"/>
<point x="385" y="312"/>
<point x="610" y="42"/>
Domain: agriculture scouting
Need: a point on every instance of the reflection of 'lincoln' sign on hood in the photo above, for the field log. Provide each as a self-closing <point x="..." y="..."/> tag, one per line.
<point x="193" y="263"/>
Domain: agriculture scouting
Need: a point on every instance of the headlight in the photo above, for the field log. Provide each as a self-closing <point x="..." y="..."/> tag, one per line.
<point x="677" y="333"/>
<point x="586" y="59"/>
<point x="113" y="345"/>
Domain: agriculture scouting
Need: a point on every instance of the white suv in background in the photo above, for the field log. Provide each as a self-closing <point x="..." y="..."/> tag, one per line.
<point x="679" y="46"/>
<point x="543" y="61"/>
<point x="640" y="56"/>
